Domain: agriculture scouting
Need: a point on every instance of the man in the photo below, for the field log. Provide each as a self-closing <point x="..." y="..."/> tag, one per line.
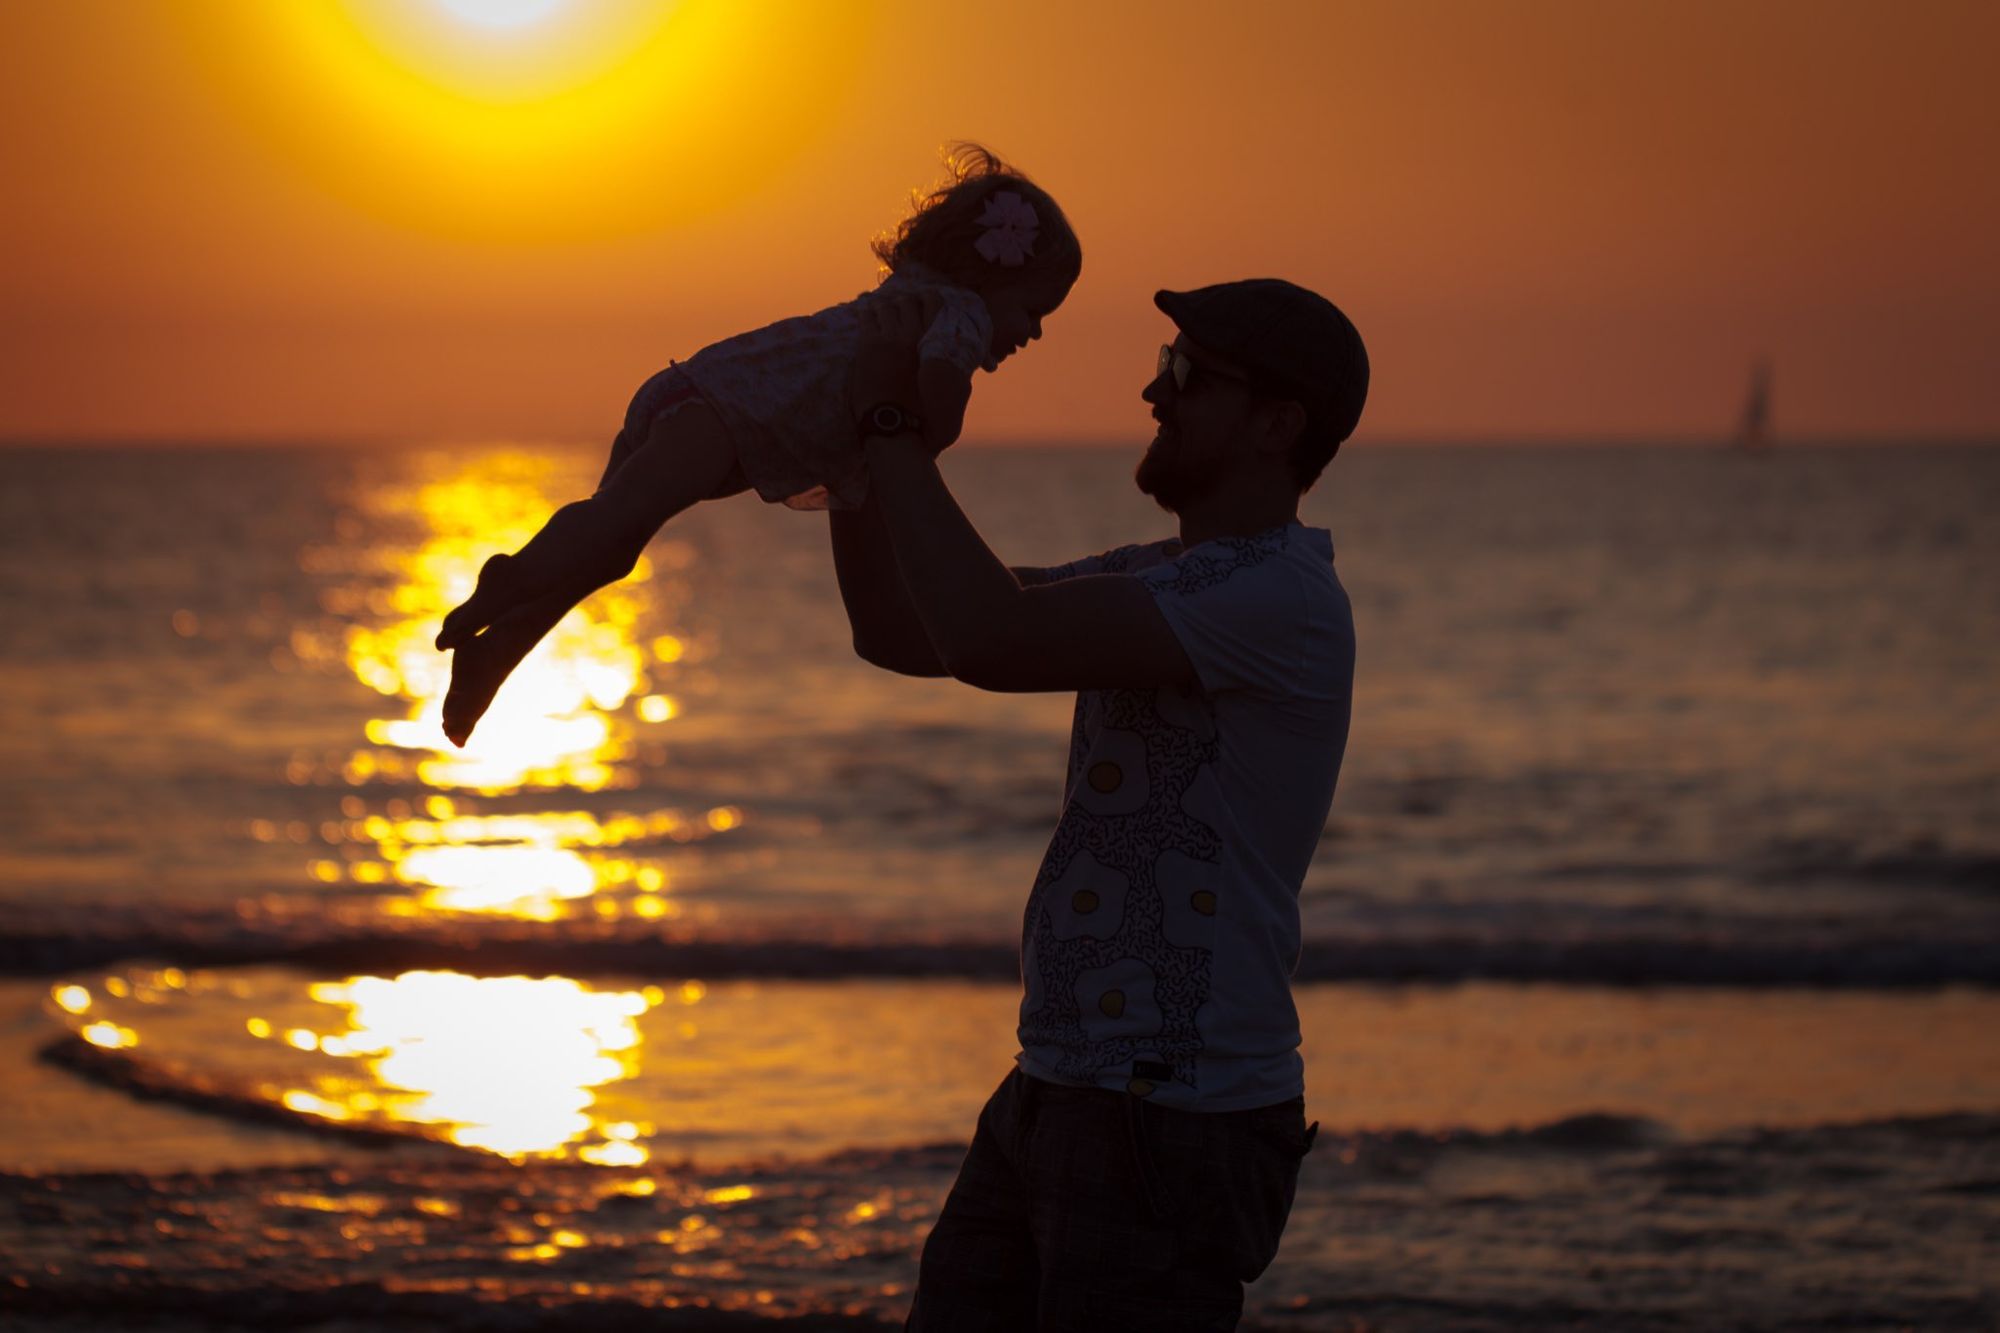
<point x="1137" y="1166"/>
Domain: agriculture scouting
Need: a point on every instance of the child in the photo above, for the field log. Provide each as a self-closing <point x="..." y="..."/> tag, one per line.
<point x="988" y="250"/>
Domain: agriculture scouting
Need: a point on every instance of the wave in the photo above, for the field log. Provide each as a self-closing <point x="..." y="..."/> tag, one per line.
<point x="1832" y="959"/>
<point x="381" y="1306"/>
<point x="1814" y="860"/>
<point x="439" y="1236"/>
<point x="1387" y="1149"/>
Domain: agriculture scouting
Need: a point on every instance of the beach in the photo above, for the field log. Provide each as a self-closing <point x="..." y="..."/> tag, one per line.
<point x="1651" y="948"/>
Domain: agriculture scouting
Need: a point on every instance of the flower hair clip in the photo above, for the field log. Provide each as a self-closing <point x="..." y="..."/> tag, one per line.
<point x="1008" y="230"/>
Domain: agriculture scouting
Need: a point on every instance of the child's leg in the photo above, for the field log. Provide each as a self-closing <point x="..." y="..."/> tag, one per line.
<point x="732" y="483"/>
<point x="687" y="457"/>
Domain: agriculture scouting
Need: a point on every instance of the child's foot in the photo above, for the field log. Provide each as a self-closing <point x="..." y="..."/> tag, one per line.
<point x="496" y="593"/>
<point x="480" y="665"/>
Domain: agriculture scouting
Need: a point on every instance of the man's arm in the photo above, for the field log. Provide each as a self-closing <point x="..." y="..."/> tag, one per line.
<point x="1095" y="632"/>
<point x="888" y="632"/>
<point x="983" y="626"/>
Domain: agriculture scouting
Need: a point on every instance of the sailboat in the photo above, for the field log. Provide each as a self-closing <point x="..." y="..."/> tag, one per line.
<point x="1753" y="428"/>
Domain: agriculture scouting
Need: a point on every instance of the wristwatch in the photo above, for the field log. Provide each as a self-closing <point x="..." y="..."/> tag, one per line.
<point x="890" y="419"/>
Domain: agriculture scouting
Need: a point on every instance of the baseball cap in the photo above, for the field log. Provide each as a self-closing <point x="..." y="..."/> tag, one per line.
<point x="1294" y="341"/>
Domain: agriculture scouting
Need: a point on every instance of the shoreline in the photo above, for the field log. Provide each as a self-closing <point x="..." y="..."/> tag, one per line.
<point x="1470" y="1063"/>
<point x="1832" y="960"/>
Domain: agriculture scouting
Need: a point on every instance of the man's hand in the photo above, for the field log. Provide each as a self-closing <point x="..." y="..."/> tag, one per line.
<point x="885" y="360"/>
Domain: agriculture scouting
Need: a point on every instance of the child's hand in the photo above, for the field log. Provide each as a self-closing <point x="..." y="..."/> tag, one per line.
<point x="943" y="390"/>
<point x="885" y="356"/>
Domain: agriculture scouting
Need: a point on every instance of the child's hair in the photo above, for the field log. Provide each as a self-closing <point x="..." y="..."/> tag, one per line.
<point x="943" y="229"/>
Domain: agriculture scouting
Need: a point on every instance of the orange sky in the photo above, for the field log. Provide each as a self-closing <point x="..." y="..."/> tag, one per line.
<point x="324" y="218"/>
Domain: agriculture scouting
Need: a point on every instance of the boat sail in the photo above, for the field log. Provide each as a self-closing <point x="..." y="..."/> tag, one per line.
<point x="1753" y="428"/>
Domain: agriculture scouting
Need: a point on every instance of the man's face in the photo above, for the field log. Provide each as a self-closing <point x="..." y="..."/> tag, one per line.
<point x="1199" y="424"/>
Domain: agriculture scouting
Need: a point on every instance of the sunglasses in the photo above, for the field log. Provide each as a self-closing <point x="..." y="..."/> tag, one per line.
<point x="1182" y="367"/>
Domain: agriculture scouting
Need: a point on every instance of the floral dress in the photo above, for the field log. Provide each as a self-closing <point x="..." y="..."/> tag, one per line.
<point x="781" y="391"/>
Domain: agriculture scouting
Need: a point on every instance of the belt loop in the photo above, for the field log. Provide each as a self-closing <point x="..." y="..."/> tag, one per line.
<point x="1142" y="1159"/>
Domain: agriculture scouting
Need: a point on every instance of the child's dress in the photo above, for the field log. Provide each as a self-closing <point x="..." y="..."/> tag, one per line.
<point x="781" y="390"/>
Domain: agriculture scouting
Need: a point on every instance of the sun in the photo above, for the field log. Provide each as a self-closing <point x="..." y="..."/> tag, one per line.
<point x="533" y="120"/>
<point x="502" y="13"/>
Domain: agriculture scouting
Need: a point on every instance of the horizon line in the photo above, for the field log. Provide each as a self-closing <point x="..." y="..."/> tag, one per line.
<point x="1399" y="440"/>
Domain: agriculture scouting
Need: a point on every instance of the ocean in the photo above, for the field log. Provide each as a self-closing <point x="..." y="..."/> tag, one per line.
<point x="1652" y="944"/>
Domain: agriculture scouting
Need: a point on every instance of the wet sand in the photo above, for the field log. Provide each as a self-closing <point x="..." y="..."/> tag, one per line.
<point x="1493" y="1157"/>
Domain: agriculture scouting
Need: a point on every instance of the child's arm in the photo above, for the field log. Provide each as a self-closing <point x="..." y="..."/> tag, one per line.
<point x="943" y="390"/>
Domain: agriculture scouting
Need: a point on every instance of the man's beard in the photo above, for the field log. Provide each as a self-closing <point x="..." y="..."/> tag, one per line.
<point x="1171" y="478"/>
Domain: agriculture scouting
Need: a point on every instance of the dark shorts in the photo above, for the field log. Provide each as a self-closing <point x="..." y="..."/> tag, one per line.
<point x="1083" y="1209"/>
<point x="659" y="396"/>
<point x="664" y="394"/>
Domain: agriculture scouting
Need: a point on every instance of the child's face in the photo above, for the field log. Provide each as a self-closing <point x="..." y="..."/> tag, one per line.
<point x="1018" y="309"/>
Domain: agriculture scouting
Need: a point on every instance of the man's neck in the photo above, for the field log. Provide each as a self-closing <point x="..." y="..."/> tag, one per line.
<point x="1240" y="515"/>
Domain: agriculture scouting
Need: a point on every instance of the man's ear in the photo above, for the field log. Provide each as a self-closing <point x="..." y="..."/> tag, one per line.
<point x="1284" y="423"/>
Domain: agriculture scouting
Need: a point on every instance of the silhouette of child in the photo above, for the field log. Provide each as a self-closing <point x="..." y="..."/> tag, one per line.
<point x="990" y="255"/>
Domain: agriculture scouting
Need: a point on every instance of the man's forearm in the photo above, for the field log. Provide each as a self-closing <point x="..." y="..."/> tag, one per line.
<point x="887" y="630"/>
<point x="964" y="594"/>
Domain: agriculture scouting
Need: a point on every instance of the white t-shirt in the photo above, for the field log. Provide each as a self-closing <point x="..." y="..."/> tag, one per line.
<point x="1163" y="929"/>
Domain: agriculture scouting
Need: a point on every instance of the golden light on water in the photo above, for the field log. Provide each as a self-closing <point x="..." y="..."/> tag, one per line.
<point x="306" y="1103"/>
<point x="548" y="725"/>
<point x="621" y="1073"/>
<point x="538" y="867"/>
<point x="110" y="1036"/>
<point x="567" y="718"/>
<point x="527" y="882"/>
<point x="505" y="1064"/>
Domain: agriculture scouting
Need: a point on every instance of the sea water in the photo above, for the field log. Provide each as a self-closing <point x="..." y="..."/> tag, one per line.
<point x="1651" y="937"/>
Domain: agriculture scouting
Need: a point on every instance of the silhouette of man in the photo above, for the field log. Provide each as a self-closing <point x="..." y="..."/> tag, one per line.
<point x="1136" y="1167"/>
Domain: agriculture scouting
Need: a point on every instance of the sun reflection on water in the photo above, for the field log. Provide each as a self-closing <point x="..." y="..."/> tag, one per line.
<point x="550" y="723"/>
<point x="505" y="1064"/>
<point x="567" y="719"/>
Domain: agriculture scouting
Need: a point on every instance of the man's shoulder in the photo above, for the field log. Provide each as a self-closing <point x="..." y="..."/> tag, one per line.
<point x="1272" y="563"/>
<point x="1263" y="613"/>
<point x="1118" y="560"/>
<point x="1139" y="556"/>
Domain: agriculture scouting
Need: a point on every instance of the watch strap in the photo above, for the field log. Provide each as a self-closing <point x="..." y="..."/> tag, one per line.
<point x="887" y="418"/>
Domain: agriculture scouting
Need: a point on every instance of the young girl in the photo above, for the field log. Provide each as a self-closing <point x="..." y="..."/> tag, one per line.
<point x="988" y="250"/>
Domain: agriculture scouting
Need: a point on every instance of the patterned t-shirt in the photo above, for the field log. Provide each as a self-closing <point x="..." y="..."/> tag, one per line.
<point x="1163" y="930"/>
